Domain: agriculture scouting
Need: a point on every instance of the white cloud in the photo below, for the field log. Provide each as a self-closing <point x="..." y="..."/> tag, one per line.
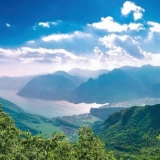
<point x="124" y="44"/>
<point x="9" y="53"/>
<point x="41" y="55"/>
<point x="98" y="52"/>
<point x="136" y="26"/>
<point x="109" y="24"/>
<point x="44" y="24"/>
<point x="55" y="23"/>
<point x="137" y="15"/>
<point x="115" y="57"/>
<point x="121" y="51"/>
<point x="48" y="24"/>
<point x="155" y="27"/>
<point x="58" y="37"/>
<point x="150" y="37"/>
<point x="8" y="25"/>
<point x="31" y="42"/>
<point x="129" y="7"/>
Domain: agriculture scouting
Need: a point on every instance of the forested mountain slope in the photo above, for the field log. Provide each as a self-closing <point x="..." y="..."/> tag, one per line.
<point x="111" y="87"/>
<point x="133" y="131"/>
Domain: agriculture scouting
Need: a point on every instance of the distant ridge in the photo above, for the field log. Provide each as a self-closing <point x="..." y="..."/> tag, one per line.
<point x="49" y="87"/>
<point x="75" y="79"/>
<point x="87" y="73"/>
<point x="118" y="85"/>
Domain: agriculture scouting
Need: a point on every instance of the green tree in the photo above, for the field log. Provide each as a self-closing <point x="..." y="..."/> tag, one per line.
<point x="90" y="147"/>
<point x="9" y="137"/>
<point x="15" y="144"/>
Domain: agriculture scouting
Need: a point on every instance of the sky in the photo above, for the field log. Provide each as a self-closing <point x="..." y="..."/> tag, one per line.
<point x="42" y="36"/>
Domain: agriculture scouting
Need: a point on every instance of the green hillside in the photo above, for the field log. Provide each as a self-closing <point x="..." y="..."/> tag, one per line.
<point x="132" y="132"/>
<point x="29" y="122"/>
<point x="39" y="124"/>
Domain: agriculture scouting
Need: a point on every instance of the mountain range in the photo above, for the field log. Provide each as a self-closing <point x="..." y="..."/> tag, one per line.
<point x="86" y="73"/>
<point x="117" y="85"/>
<point x="146" y="75"/>
<point x="49" y="87"/>
<point x="111" y="87"/>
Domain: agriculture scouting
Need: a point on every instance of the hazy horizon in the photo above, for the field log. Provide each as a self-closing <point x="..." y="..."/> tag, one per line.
<point x="13" y="74"/>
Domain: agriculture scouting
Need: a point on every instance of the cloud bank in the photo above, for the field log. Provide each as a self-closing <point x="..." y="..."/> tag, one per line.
<point x="124" y="38"/>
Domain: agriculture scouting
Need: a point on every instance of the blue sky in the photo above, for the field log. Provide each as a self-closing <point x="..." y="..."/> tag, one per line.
<point x="43" y="36"/>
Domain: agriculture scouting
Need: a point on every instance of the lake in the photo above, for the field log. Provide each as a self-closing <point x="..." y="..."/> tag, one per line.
<point x="63" y="108"/>
<point x="47" y="108"/>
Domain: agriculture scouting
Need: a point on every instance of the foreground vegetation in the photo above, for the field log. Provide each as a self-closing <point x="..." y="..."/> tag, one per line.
<point x="131" y="133"/>
<point x="19" y="145"/>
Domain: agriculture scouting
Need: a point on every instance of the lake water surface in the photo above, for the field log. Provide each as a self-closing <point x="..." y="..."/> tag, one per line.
<point x="63" y="108"/>
<point x="47" y="108"/>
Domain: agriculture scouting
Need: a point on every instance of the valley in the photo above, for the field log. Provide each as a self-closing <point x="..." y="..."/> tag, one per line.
<point x="38" y="124"/>
<point x="128" y="131"/>
<point x="123" y="111"/>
